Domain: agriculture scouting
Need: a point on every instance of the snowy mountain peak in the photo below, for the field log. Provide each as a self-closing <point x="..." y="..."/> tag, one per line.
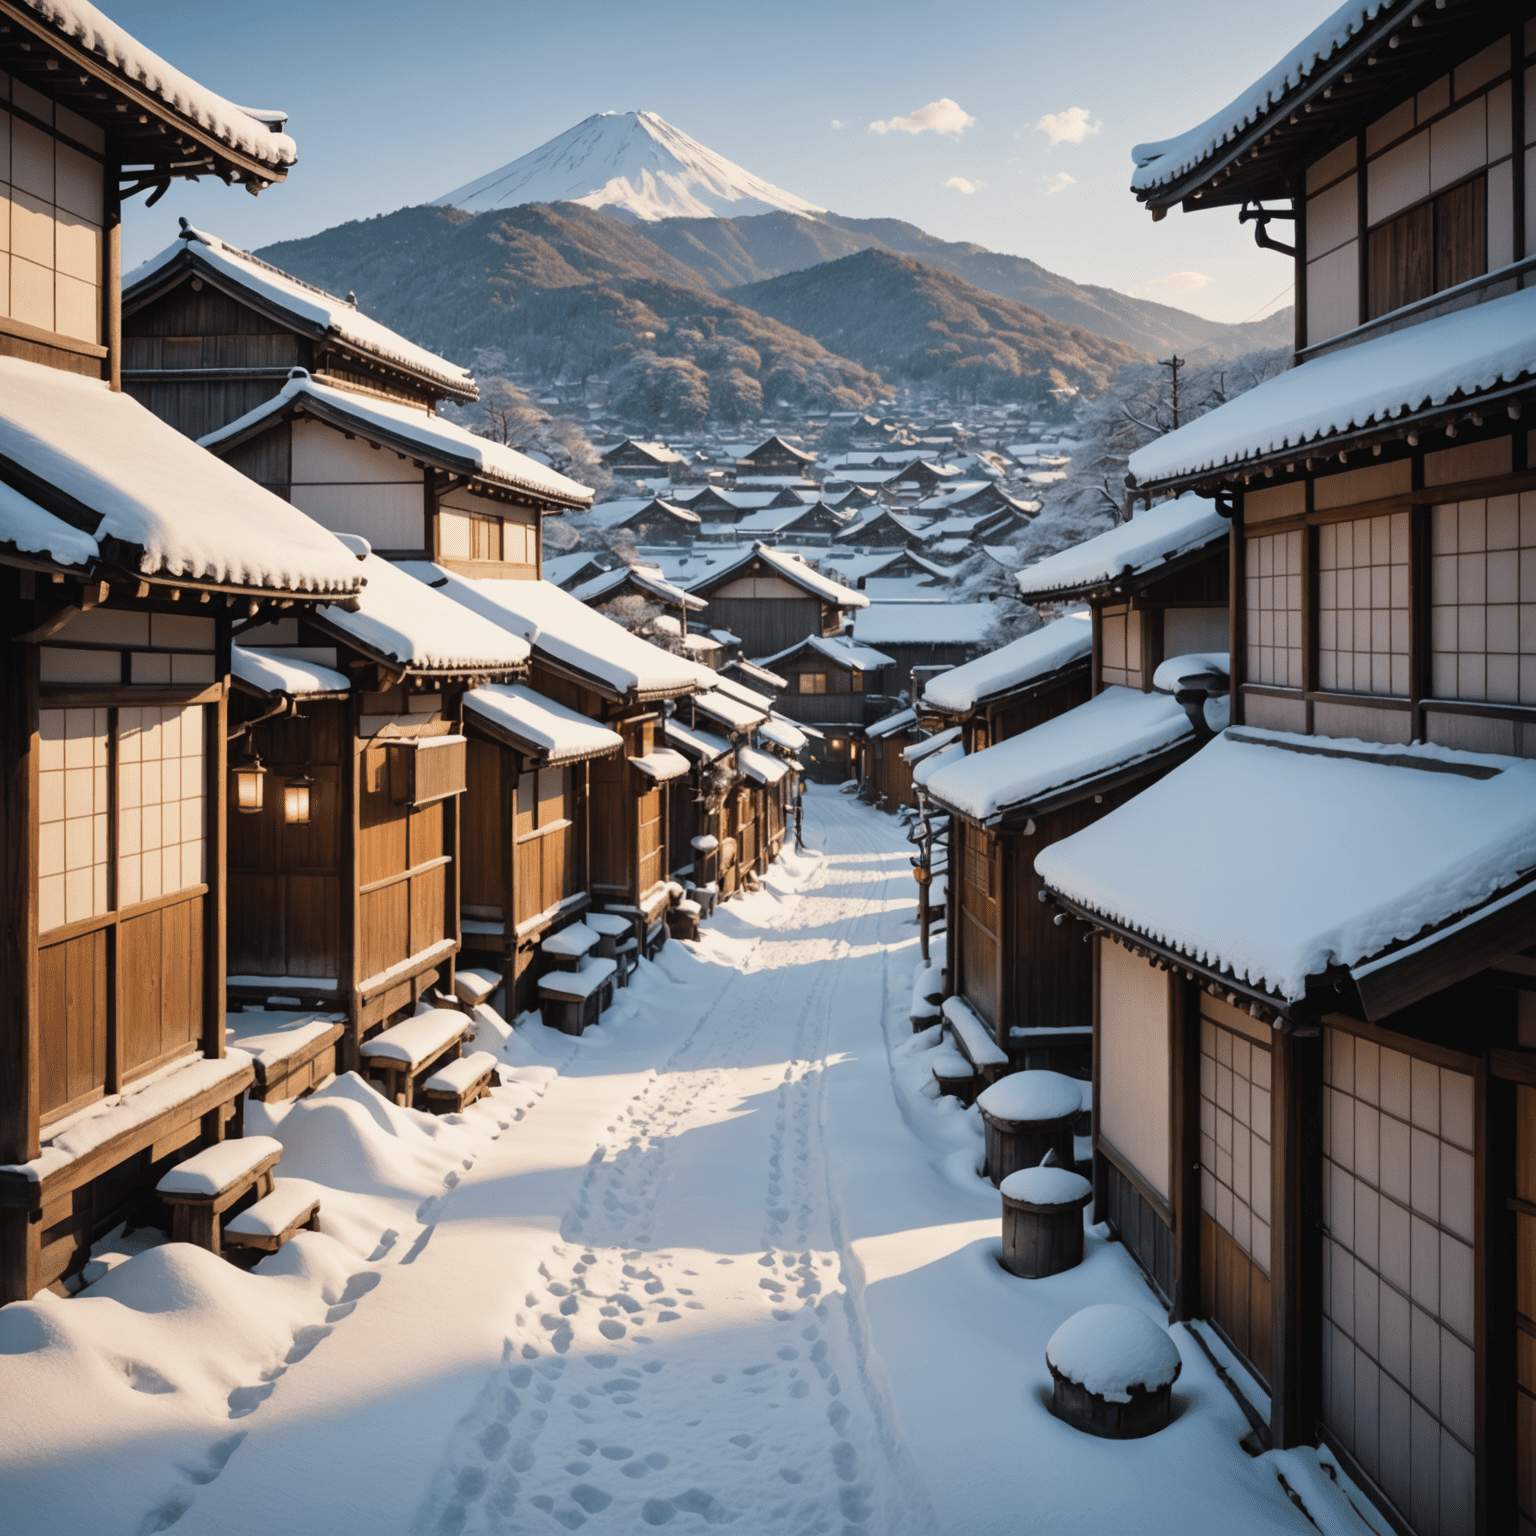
<point x="632" y="163"/>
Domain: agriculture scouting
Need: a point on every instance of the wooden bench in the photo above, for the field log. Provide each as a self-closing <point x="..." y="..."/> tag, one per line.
<point x="974" y="1040"/>
<point x="612" y="929"/>
<point x="473" y="985"/>
<point x="572" y="1000"/>
<point x="568" y="947"/>
<point x="409" y="1051"/>
<point x="456" y="1086"/>
<point x="208" y="1183"/>
<point x="683" y="919"/>
<point x="955" y="1076"/>
<point x="294" y="1204"/>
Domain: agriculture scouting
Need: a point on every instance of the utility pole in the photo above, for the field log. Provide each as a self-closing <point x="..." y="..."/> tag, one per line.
<point x="1173" y="364"/>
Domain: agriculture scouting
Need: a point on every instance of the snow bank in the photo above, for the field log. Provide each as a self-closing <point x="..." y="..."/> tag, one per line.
<point x="1360" y="846"/>
<point x="1033" y="1095"/>
<point x="1048" y="649"/>
<point x="1150" y="539"/>
<point x="1110" y="1348"/>
<point x="1046" y="1186"/>
<point x="1414" y="369"/>
<point x="1112" y="731"/>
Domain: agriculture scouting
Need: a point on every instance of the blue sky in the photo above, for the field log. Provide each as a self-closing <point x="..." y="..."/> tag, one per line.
<point x="393" y="104"/>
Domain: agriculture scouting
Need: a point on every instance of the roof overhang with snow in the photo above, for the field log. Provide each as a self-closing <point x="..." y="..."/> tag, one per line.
<point x="797" y="572"/>
<point x="1321" y="903"/>
<point x="551" y="734"/>
<point x="857" y="658"/>
<point x="1039" y="662"/>
<point x="1383" y="393"/>
<point x="270" y="673"/>
<point x="161" y="123"/>
<point x="1364" y="58"/>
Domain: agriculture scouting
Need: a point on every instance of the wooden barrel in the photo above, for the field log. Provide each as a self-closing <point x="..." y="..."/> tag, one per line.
<point x="1029" y="1115"/>
<point x="1114" y="1368"/>
<point x="955" y="1076"/>
<point x="1043" y="1221"/>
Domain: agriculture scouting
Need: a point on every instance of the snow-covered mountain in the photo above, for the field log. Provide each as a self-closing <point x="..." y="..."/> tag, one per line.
<point x="632" y="163"/>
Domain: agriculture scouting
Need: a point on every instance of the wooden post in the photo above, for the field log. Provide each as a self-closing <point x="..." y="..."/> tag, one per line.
<point x="1237" y="613"/>
<point x="112" y="273"/>
<point x="1100" y="1166"/>
<point x="1184" y="1187"/>
<point x="1296" y="1244"/>
<point x="19" y="1102"/>
<point x="216" y="852"/>
<point x="353" y="749"/>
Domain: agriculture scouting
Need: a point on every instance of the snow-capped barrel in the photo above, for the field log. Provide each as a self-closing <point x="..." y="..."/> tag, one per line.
<point x="1043" y="1221"/>
<point x="1114" y="1369"/>
<point x="1029" y="1116"/>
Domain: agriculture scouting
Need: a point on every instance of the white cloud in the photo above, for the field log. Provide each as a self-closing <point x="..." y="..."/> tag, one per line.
<point x="1180" y="282"/>
<point x="1069" y="127"/>
<point x="1058" y="183"/>
<point x="941" y="116"/>
<point x="964" y="184"/>
<point x="835" y="123"/>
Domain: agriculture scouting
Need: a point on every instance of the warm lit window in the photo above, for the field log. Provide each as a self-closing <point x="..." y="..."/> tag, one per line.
<point x="1483" y="628"/>
<point x="813" y="682"/>
<point x="1274" y="609"/>
<point x="856" y="681"/>
<point x="1362" y="608"/>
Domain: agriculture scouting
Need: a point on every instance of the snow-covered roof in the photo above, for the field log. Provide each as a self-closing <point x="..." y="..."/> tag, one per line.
<point x="931" y="744"/>
<point x="1151" y="539"/>
<point x="1114" y="731"/>
<point x="749" y="696"/>
<point x="186" y="513"/>
<point x="862" y="658"/>
<point x="430" y="437"/>
<point x="704" y="745"/>
<point x="539" y="725"/>
<point x="1064" y="643"/>
<point x="278" y="671"/>
<point x="662" y="764"/>
<point x="757" y="672"/>
<point x="792" y="569"/>
<point x="567" y="633"/>
<point x="761" y="766"/>
<point x="647" y="577"/>
<point x="658" y="451"/>
<point x="1325" y="877"/>
<point x="719" y="705"/>
<point x="924" y="623"/>
<point x="311" y="306"/>
<point x="782" y="734"/>
<point x="897" y="722"/>
<point x="1419" y="368"/>
<point x="1166" y="160"/>
<point x="29" y="530"/>
<point x="405" y="621"/>
<point x="560" y="568"/>
<point x="770" y="519"/>
<point x="238" y="127"/>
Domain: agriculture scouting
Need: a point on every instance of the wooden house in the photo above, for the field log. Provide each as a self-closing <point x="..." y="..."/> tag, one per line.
<point x="885" y="778"/>
<point x="634" y="460"/>
<point x="774" y="457"/>
<point x="573" y="570"/>
<point x="126" y="557"/>
<point x="211" y="332"/>
<point x="660" y="522"/>
<point x="644" y="582"/>
<point x="414" y="485"/>
<point x="839" y="687"/>
<point x="1333" y="1170"/>
<point x="881" y="528"/>
<point x="815" y="523"/>
<point x="1026" y="980"/>
<point x="347" y="899"/>
<point x="601" y="671"/>
<point x="924" y="634"/>
<point x="772" y="600"/>
<point x="526" y="843"/>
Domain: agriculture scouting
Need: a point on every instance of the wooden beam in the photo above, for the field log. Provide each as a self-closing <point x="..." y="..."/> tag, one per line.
<point x="1184" y="1072"/>
<point x="19" y="1102"/>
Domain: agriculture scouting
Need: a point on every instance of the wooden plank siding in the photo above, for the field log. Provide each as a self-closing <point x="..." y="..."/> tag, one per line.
<point x="767" y="624"/>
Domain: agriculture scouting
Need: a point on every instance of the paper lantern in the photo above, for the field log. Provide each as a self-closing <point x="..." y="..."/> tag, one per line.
<point x="250" y="779"/>
<point x="296" y="799"/>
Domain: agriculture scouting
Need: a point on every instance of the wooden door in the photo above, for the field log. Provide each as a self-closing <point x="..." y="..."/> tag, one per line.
<point x="979" y="952"/>
<point x="649" y="843"/>
<point x="1525" y="1306"/>
<point x="1235" y="1216"/>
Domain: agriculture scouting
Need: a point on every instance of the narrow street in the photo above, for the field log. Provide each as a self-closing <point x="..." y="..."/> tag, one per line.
<point x="730" y="1265"/>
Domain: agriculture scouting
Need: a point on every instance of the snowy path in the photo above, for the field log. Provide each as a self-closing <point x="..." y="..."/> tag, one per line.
<point x="731" y="1265"/>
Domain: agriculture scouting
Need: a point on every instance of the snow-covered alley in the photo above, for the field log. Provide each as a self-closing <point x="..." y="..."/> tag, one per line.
<point x="724" y="1259"/>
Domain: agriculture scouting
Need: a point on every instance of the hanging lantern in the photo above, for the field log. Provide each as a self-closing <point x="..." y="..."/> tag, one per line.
<point x="296" y="800"/>
<point x="249" y="780"/>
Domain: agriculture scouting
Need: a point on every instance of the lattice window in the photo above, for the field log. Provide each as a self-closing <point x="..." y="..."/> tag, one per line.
<point x="1362" y="606"/>
<point x="1398" y="1287"/>
<point x="1234" y="1138"/>
<point x="1275" y="642"/>
<point x="161" y="813"/>
<point x="73" y="816"/>
<point x="1483" y="626"/>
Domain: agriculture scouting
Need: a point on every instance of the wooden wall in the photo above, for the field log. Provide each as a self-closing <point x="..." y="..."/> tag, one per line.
<point x="766" y="625"/>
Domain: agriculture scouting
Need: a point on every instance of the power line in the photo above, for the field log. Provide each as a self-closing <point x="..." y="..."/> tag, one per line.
<point x="1262" y="307"/>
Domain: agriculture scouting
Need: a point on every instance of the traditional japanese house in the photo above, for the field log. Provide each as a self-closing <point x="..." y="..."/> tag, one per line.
<point x="751" y="675"/>
<point x="416" y="486"/>
<point x="924" y="634"/>
<point x="885" y="778"/>
<point x="211" y="332"/>
<point x="126" y="556"/>
<point x="904" y="574"/>
<point x="881" y="528"/>
<point x="1024" y="980"/>
<point x="774" y="457"/>
<point x="642" y="582"/>
<point x="602" y="672"/>
<point x="1334" y="1167"/>
<point x="659" y="522"/>
<point x="526" y="845"/>
<point x="345" y="879"/>
<point x="773" y="600"/>
<point x="573" y="570"/>
<point x="696" y="810"/>
<point x="634" y="460"/>
<point x="813" y="523"/>
<point x="840" y="687"/>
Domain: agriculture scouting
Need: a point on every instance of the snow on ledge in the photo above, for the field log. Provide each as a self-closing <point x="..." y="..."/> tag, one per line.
<point x="1362" y="846"/>
<point x="1020" y="662"/>
<point x="1420" y="367"/>
<point x="554" y="729"/>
